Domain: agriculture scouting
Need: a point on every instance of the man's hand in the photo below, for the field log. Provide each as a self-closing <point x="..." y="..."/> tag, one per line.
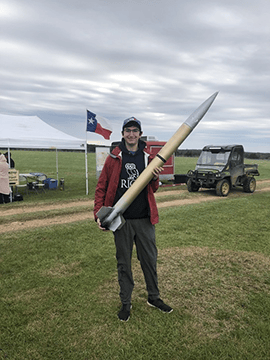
<point x="99" y="225"/>
<point x="156" y="172"/>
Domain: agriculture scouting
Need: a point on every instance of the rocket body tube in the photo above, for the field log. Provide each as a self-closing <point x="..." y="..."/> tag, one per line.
<point x="110" y="217"/>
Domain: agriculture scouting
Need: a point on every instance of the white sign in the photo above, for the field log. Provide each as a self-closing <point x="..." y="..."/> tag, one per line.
<point x="101" y="155"/>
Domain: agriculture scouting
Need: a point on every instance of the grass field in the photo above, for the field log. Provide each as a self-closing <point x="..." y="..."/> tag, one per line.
<point x="71" y="167"/>
<point x="59" y="291"/>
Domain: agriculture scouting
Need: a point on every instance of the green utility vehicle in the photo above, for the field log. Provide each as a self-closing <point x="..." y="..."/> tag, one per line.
<point x="222" y="168"/>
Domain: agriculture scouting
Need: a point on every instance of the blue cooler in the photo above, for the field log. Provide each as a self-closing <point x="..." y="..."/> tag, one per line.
<point x="50" y="183"/>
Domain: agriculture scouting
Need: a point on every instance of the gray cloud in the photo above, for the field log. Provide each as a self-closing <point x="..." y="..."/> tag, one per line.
<point x="156" y="60"/>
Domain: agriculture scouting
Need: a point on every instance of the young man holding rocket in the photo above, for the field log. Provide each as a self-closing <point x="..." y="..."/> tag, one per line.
<point x="122" y="167"/>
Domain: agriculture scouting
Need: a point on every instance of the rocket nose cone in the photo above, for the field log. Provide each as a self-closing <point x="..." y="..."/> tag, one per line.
<point x="199" y="113"/>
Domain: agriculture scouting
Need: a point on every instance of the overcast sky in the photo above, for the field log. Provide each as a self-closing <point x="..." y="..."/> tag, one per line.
<point x="156" y="60"/>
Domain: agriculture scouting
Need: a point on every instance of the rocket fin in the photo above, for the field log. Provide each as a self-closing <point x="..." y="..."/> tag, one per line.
<point x="117" y="223"/>
<point x="104" y="212"/>
<point x="111" y="224"/>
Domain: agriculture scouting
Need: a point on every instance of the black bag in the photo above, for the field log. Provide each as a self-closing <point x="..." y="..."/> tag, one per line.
<point x="18" y="197"/>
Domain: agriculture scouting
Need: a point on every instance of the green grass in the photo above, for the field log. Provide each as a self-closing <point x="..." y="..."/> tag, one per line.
<point x="44" y="214"/>
<point x="72" y="169"/>
<point x="59" y="292"/>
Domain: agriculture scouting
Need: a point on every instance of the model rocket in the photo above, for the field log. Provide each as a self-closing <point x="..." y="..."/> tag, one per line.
<point x="111" y="217"/>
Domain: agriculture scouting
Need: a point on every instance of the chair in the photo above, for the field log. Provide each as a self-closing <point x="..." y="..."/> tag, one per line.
<point x="13" y="177"/>
<point x="39" y="184"/>
<point x="22" y="184"/>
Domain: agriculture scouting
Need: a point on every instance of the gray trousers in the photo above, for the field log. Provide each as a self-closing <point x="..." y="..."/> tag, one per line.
<point x="142" y="233"/>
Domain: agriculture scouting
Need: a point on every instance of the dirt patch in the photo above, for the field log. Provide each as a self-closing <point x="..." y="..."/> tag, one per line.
<point x="86" y="206"/>
<point x="57" y="220"/>
<point x="35" y="208"/>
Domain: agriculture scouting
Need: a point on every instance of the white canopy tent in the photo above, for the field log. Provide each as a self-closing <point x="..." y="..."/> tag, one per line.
<point x="30" y="132"/>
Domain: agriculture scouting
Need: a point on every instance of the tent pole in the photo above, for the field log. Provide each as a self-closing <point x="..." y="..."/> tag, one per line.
<point x="56" y="165"/>
<point x="10" y="194"/>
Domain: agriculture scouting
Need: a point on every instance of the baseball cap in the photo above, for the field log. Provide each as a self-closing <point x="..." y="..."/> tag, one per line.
<point x="132" y="121"/>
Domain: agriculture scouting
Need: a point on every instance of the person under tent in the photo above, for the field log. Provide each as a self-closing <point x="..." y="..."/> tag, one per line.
<point x="4" y="180"/>
<point x="12" y="163"/>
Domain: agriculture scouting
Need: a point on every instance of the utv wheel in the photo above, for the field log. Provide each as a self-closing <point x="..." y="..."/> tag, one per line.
<point x="249" y="185"/>
<point x="223" y="188"/>
<point x="191" y="186"/>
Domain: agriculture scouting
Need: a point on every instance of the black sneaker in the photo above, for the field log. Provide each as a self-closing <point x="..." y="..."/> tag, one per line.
<point x="159" y="304"/>
<point x="124" y="313"/>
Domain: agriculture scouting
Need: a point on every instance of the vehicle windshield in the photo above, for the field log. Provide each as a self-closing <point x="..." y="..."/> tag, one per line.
<point x="209" y="158"/>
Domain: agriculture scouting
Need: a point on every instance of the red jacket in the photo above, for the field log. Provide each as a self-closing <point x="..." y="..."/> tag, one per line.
<point x="108" y="183"/>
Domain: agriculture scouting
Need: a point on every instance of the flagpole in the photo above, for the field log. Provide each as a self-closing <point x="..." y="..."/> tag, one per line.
<point x="86" y="163"/>
<point x="99" y="126"/>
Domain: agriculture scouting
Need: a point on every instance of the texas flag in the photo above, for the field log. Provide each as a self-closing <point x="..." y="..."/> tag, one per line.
<point x="98" y="124"/>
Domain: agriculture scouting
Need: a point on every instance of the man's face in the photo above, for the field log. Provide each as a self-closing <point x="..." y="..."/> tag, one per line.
<point x="131" y="135"/>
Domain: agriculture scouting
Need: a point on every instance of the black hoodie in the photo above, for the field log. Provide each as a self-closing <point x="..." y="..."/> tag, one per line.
<point x="132" y="166"/>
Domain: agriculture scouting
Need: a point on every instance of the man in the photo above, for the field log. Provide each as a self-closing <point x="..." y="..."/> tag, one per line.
<point x="121" y="168"/>
<point x="12" y="163"/>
